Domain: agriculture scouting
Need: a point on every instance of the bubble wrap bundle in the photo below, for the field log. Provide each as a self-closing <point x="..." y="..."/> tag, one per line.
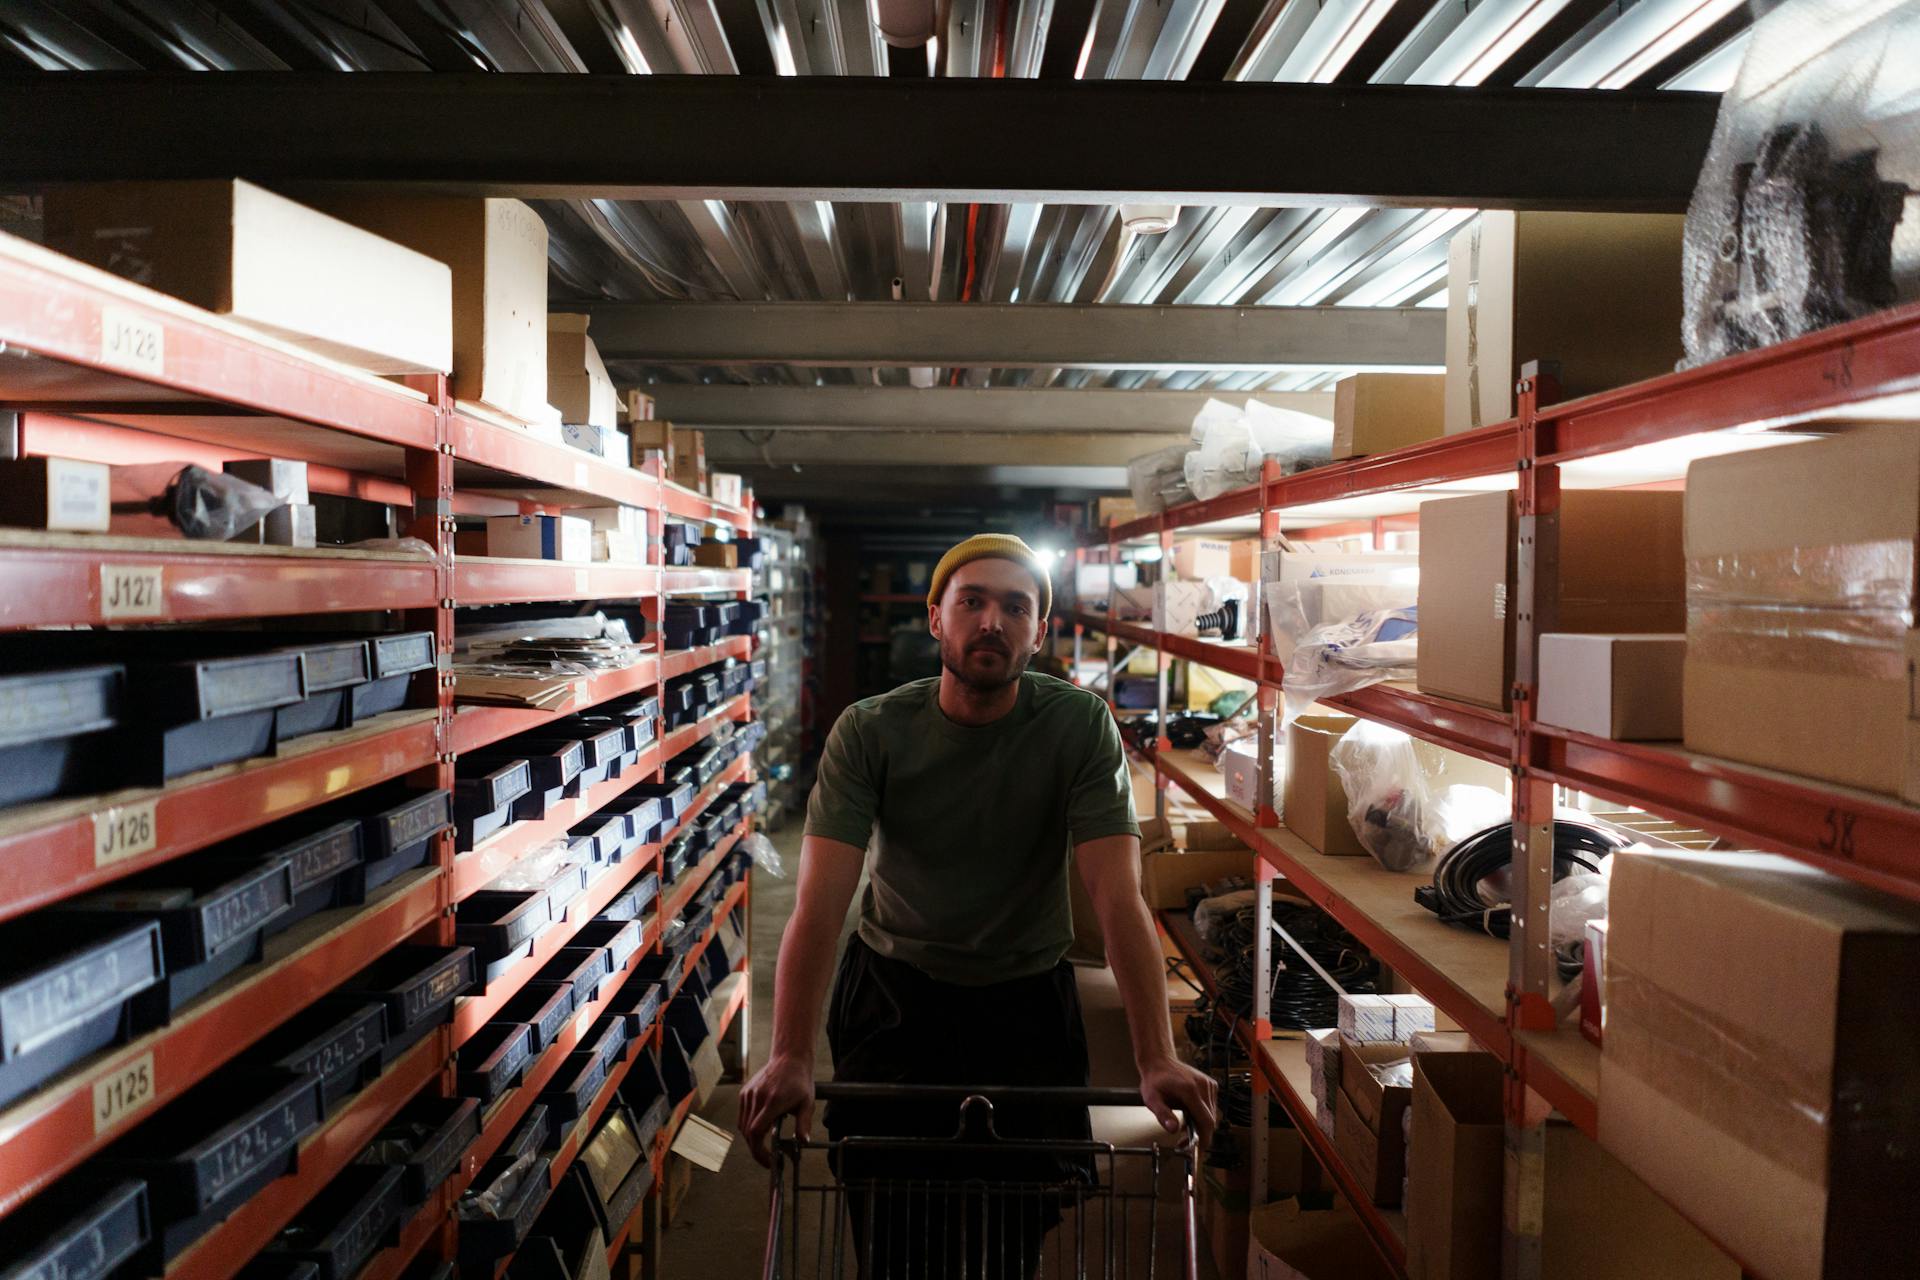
<point x="1806" y="213"/>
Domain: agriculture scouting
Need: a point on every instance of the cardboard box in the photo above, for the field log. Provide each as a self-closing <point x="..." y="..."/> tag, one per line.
<point x="1602" y="1223"/>
<point x="1243" y="559"/>
<point x="1287" y="1242"/>
<point x="1597" y="292"/>
<point x="578" y="384"/>
<point x="1178" y="604"/>
<point x="639" y="406"/>
<point x="1166" y="877"/>
<point x="540" y="538"/>
<point x="1819" y="537"/>
<point x="1380" y="412"/>
<point x="498" y="252"/>
<point x="650" y="439"/>
<point x="1315" y="804"/>
<point x="1621" y="687"/>
<point x="1621" y="571"/>
<point x="1197" y="559"/>
<point x="1222" y="1218"/>
<point x="1456" y="1158"/>
<point x="1757" y="1069"/>
<point x="1376" y="1160"/>
<point x="60" y="494"/>
<point x="1377" y="1076"/>
<point x="1208" y="837"/>
<point x="690" y="459"/>
<point x="1108" y="511"/>
<point x="1308" y="584"/>
<point x="717" y="555"/>
<point x="727" y="488"/>
<point x="275" y="265"/>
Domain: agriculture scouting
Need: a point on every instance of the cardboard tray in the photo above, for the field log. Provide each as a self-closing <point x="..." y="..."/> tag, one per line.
<point x="581" y="1077"/>
<point x="543" y="1007"/>
<point x="581" y="971"/>
<point x="319" y="858"/>
<point x="493" y="1058"/>
<point x="354" y="1217"/>
<point x="634" y="900"/>
<point x="63" y="997"/>
<point x="620" y="938"/>
<point x="417" y="986"/>
<point x="498" y="922"/>
<point x="483" y="786"/>
<point x="547" y="766"/>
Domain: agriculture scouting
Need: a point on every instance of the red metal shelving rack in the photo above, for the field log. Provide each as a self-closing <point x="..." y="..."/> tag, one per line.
<point x="103" y="369"/>
<point x="1865" y="369"/>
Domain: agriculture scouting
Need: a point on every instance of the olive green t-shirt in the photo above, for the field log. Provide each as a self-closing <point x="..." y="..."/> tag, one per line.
<point x="972" y="828"/>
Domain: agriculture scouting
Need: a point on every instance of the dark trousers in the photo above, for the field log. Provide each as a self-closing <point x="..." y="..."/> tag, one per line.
<point x="953" y="1215"/>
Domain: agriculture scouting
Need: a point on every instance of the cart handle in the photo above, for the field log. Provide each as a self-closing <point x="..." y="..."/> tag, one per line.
<point x="1022" y="1095"/>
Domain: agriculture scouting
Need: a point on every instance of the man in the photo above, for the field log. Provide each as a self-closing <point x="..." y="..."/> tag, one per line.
<point x="972" y="787"/>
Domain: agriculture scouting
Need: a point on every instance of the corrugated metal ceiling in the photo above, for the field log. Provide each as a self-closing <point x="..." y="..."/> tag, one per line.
<point x="720" y="250"/>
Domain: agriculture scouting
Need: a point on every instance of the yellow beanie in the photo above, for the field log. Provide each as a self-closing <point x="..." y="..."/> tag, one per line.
<point x="992" y="546"/>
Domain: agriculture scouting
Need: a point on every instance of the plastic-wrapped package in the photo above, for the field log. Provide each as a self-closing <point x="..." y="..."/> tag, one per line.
<point x="1402" y="814"/>
<point x="1805" y="213"/>
<point x="202" y="504"/>
<point x="1382" y="644"/>
<point x="1212" y="912"/>
<point x="1233" y="443"/>
<point x="764" y="855"/>
<point x="1296" y="606"/>
<point x="1158" y="479"/>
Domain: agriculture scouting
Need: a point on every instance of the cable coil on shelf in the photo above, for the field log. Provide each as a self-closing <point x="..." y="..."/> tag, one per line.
<point x="1457" y="894"/>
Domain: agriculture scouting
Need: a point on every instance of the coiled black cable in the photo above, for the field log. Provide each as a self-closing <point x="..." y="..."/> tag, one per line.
<point x="1455" y="894"/>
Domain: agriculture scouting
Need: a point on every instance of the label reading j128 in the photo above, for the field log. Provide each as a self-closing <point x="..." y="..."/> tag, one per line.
<point x="131" y="591"/>
<point x="129" y="342"/>
<point x="121" y="1092"/>
<point x="124" y="831"/>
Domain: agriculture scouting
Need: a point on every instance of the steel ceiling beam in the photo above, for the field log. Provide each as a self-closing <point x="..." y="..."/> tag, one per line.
<point x="995" y="410"/>
<point x="822" y="138"/>
<point x="1021" y="336"/>
<point x="1055" y="450"/>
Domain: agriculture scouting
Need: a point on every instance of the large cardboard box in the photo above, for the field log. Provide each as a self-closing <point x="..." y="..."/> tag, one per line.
<point x="268" y="262"/>
<point x="1380" y="412"/>
<point x="1377" y="1076"/>
<point x="1799" y="608"/>
<point x="1621" y="571"/>
<point x="646" y="437"/>
<point x="1456" y="1155"/>
<point x="1197" y="559"/>
<point x="1602" y="1223"/>
<point x="1597" y="292"/>
<point x="689" y="459"/>
<point x="1221" y="1211"/>
<point x="1758" y="1067"/>
<point x="578" y="384"/>
<point x="1287" y="1242"/>
<point x="1315" y="804"/>
<point x="1621" y="687"/>
<point x="1377" y="1160"/>
<point x="1108" y="511"/>
<point x="498" y="252"/>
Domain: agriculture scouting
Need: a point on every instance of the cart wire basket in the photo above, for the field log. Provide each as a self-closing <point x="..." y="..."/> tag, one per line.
<point x="975" y="1204"/>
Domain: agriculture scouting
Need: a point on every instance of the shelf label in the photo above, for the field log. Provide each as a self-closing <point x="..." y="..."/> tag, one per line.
<point x="580" y="582"/>
<point x="125" y="831"/>
<point x="132" y="590"/>
<point x="131" y="343"/>
<point x="582" y="692"/>
<point x="121" y="1092"/>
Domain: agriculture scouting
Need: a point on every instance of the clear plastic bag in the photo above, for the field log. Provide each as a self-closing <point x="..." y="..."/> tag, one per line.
<point x="1381" y="644"/>
<point x="1401" y="812"/>
<point x="1211" y="913"/>
<point x="201" y="504"/>
<point x="536" y="868"/>
<point x="764" y="855"/>
<point x="1234" y="442"/>
<point x="1805" y="212"/>
<point x="1158" y="479"/>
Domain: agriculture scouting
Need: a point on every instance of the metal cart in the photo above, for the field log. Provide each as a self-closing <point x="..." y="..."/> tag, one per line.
<point x="977" y="1205"/>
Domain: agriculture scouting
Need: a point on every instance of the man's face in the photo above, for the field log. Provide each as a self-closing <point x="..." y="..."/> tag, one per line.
<point x="988" y="623"/>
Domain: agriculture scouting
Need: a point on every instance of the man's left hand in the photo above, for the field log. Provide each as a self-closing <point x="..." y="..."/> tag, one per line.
<point x="1168" y="1085"/>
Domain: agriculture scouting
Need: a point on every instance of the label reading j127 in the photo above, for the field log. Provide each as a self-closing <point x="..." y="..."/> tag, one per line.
<point x="131" y="591"/>
<point x="125" y="831"/>
<point x="129" y="342"/>
<point x="121" y="1092"/>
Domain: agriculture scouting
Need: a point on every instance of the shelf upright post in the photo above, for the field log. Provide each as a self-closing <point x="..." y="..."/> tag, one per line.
<point x="1262" y="1018"/>
<point x="430" y="477"/>
<point x="1161" y="741"/>
<point x="1530" y="948"/>
<point x="1266" y="812"/>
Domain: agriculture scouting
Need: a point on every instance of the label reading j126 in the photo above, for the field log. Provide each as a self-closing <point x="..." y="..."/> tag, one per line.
<point x="131" y="591"/>
<point x="121" y="1092"/>
<point x="129" y="342"/>
<point x="125" y="831"/>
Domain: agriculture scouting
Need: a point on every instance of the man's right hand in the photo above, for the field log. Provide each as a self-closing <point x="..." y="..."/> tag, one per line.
<point x="784" y="1087"/>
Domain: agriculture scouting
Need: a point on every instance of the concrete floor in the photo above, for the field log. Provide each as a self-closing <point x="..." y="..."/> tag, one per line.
<point x="720" y="1232"/>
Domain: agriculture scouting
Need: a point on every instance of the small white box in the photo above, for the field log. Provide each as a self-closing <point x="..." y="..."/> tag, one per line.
<point x="617" y="548"/>
<point x="566" y="538"/>
<point x="1240" y="763"/>
<point x="725" y="487"/>
<point x="1177" y="607"/>
<point x="285" y="478"/>
<point x="1366" y="1018"/>
<point x="1625" y="687"/>
<point x="1411" y="1014"/>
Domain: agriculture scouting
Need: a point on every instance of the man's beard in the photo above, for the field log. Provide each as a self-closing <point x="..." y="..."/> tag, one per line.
<point x="954" y="658"/>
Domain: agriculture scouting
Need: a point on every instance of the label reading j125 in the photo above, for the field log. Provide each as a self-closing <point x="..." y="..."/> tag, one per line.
<point x="121" y="1092"/>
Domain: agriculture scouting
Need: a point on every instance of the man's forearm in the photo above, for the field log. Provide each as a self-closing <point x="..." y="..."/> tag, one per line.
<point x="1133" y="949"/>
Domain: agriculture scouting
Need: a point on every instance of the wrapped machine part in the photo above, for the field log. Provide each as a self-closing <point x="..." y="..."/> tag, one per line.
<point x="200" y="503"/>
<point x="1233" y="443"/>
<point x="1805" y="212"/>
<point x="1158" y="479"/>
